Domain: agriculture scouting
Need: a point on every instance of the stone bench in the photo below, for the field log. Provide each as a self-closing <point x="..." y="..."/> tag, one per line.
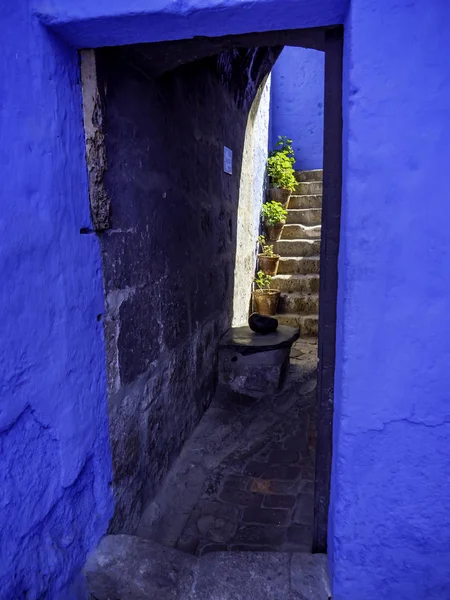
<point x="255" y="364"/>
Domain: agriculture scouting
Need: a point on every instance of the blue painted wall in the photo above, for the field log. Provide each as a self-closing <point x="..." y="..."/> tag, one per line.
<point x="87" y="24"/>
<point x="297" y="104"/>
<point x="390" y="524"/>
<point x="55" y="467"/>
<point x="390" y="534"/>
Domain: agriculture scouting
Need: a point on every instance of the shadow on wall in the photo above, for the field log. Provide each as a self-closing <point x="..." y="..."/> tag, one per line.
<point x="297" y="104"/>
<point x="169" y="256"/>
<point x="251" y="196"/>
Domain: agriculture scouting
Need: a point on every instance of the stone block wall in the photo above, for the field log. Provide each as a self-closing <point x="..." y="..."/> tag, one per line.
<point x="169" y="256"/>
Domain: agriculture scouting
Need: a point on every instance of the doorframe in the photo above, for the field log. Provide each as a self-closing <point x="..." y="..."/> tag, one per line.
<point x="329" y="251"/>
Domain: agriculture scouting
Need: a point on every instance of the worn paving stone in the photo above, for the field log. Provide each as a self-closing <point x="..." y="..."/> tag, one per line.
<point x="254" y="473"/>
<point x="246" y="575"/>
<point x="284" y="457"/>
<point x="266" y="516"/>
<point x="279" y="501"/>
<point x="300" y="534"/>
<point x="130" y="568"/>
<point x="269" y="535"/>
<point x="304" y="509"/>
<point x="233" y="495"/>
<point x="268" y="471"/>
<point x="268" y="486"/>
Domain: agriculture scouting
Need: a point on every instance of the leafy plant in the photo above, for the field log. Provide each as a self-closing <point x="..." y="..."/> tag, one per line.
<point x="273" y="213"/>
<point x="284" y="145"/>
<point x="267" y="249"/>
<point x="263" y="281"/>
<point x="280" y="165"/>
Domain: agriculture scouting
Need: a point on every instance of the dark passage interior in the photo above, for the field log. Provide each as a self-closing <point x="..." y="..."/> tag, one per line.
<point x="245" y="478"/>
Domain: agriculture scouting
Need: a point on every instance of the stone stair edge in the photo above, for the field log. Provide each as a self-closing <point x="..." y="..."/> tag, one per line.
<point x="300" y="258"/>
<point x="301" y="294"/>
<point x="302" y="210"/>
<point x="292" y="225"/>
<point x="297" y="275"/>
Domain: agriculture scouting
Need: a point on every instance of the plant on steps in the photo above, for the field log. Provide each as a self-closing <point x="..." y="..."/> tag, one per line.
<point x="274" y="219"/>
<point x="265" y="298"/>
<point x="280" y="168"/>
<point x="268" y="260"/>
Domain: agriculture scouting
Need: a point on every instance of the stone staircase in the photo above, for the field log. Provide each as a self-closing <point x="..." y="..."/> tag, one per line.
<point x="299" y="248"/>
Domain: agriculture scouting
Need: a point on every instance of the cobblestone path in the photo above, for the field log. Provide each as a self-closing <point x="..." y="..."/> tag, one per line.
<point x="245" y="479"/>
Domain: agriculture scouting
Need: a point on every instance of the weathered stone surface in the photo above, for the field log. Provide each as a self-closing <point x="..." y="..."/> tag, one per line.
<point x="256" y="374"/>
<point x="297" y="247"/>
<point x="299" y="303"/>
<point x="295" y="231"/>
<point x="242" y="576"/>
<point x="311" y="175"/>
<point x="309" y="576"/>
<point x="262" y="323"/>
<point x="169" y="255"/>
<point x="130" y="568"/>
<point x="242" y="457"/>
<point x="308" y="324"/>
<point x="242" y="339"/>
<point x="305" y="216"/>
<point x="126" y="567"/>
<point x="297" y="283"/>
<point x="311" y="200"/>
<point x="309" y="187"/>
<point x="254" y="364"/>
<point x="95" y="142"/>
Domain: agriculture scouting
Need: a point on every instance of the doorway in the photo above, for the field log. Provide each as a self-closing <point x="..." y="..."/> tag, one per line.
<point x="159" y="390"/>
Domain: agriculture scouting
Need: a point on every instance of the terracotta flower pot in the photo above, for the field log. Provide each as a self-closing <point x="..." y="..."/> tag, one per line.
<point x="280" y="195"/>
<point x="266" y="301"/>
<point x="269" y="264"/>
<point x="273" y="232"/>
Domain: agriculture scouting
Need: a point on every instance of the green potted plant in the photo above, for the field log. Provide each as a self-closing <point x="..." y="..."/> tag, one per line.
<point x="280" y="168"/>
<point x="274" y="219"/>
<point x="268" y="260"/>
<point x="265" y="298"/>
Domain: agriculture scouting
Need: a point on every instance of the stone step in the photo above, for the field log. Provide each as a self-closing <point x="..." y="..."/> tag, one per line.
<point x="314" y="175"/>
<point x="308" y="324"/>
<point x="301" y="265"/>
<point x="309" y="187"/>
<point x="296" y="283"/>
<point x="295" y="231"/>
<point x="131" y="568"/>
<point x="302" y="304"/>
<point x="304" y="216"/>
<point x="297" y="247"/>
<point x="311" y="201"/>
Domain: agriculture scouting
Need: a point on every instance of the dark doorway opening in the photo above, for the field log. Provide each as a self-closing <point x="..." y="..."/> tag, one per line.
<point x="146" y="435"/>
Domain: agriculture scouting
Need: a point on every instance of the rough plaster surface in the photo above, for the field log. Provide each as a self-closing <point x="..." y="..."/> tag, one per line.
<point x="297" y="104"/>
<point x="87" y="24"/>
<point x="55" y="469"/>
<point x="169" y="257"/>
<point x="390" y="524"/>
<point x="392" y="368"/>
<point x="251" y="195"/>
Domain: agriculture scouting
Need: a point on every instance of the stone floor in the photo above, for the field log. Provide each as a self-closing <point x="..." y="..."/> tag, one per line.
<point x="245" y="478"/>
<point x="131" y="568"/>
